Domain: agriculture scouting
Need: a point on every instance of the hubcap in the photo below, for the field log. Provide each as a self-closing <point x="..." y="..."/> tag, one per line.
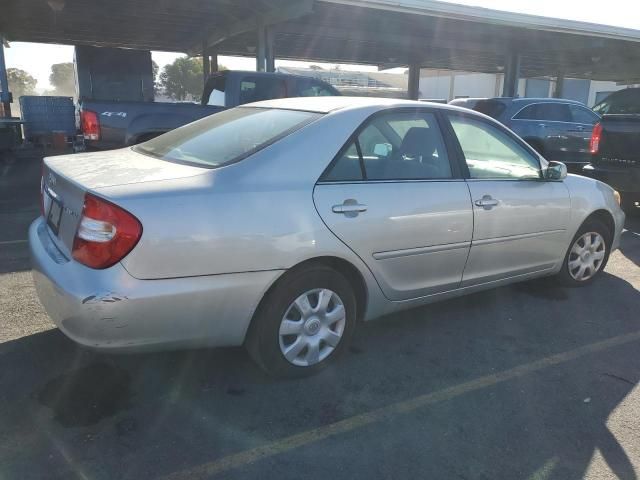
<point x="586" y="256"/>
<point x="312" y="327"/>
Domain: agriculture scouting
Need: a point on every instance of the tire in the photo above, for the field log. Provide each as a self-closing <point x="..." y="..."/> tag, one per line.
<point x="628" y="204"/>
<point x="267" y="341"/>
<point x="570" y="272"/>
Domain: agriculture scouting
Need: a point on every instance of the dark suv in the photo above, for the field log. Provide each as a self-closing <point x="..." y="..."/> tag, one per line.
<point x="558" y="129"/>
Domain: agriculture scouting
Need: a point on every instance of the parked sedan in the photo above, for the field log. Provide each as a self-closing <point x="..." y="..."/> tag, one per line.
<point x="282" y="224"/>
<point x="558" y="129"/>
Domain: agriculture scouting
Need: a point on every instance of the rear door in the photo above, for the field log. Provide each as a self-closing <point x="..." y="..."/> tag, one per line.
<point x="396" y="198"/>
<point x="545" y="127"/>
<point x="520" y="219"/>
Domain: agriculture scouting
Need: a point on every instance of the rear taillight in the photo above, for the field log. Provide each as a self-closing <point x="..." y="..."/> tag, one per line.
<point x="106" y="233"/>
<point x="596" y="135"/>
<point x="90" y="124"/>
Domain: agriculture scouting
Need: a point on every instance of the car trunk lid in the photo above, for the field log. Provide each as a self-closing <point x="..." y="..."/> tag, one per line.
<point x="67" y="178"/>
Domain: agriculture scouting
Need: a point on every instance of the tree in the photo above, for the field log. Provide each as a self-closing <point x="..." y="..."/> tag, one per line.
<point x="63" y="79"/>
<point x="154" y="71"/>
<point x="182" y="79"/>
<point x="20" y="83"/>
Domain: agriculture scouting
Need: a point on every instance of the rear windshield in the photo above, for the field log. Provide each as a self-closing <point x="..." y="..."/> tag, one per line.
<point x="491" y="108"/>
<point x="225" y="137"/>
<point x="624" y="102"/>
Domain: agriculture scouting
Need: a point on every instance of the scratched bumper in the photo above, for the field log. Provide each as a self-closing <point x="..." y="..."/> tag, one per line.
<point x="110" y="310"/>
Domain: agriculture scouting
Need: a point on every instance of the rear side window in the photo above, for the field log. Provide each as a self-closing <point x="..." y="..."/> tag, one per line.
<point x="492" y="108"/>
<point x="226" y="137"/>
<point x="551" y="112"/>
<point x="214" y="91"/>
<point x="394" y="146"/>
<point x="583" y="115"/>
<point x="255" y="89"/>
<point x="311" y="88"/>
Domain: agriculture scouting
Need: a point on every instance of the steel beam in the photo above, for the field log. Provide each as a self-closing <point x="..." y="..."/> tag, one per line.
<point x="261" y="48"/>
<point x="270" y="54"/>
<point x="214" y="61"/>
<point x="206" y="64"/>
<point x="287" y="11"/>
<point x="5" y="95"/>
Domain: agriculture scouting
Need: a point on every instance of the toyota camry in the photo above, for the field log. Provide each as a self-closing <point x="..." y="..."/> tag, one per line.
<point x="282" y="225"/>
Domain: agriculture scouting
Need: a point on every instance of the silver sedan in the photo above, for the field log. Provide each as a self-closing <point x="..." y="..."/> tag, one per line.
<point x="282" y="224"/>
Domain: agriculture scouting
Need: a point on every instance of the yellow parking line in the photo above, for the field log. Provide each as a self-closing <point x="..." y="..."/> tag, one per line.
<point x="305" y="438"/>
<point x="13" y="242"/>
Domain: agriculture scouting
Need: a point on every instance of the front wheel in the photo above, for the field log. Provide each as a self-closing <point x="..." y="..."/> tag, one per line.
<point x="588" y="254"/>
<point x="304" y="322"/>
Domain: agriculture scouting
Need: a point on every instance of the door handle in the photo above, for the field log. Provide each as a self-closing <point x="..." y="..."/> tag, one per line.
<point x="487" y="202"/>
<point x="349" y="208"/>
<point x="542" y="125"/>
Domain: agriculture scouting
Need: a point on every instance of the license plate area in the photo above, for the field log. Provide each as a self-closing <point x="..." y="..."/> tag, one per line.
<point x="53" y="212"/>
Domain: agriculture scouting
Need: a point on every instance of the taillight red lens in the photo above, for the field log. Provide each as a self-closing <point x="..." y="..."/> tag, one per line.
<point x="596" y="135"/>
<point x="90" y="124"/>
<point x="106" y="233"/>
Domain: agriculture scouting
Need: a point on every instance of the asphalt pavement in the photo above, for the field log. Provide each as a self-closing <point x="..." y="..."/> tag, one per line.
<point x="532" y="381"/>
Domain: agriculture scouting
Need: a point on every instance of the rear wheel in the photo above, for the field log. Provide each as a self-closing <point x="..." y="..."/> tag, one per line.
<point x="588" y="254"/>
<point x="304" y="322"/>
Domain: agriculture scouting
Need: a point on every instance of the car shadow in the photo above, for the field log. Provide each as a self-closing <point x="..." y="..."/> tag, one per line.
<point x="630" y="240"/>
<point x="66" y="410"/>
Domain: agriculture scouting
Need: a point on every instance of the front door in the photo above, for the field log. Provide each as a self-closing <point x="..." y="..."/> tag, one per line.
<point x="396" y="200"/>
<point x="520" y="219"/>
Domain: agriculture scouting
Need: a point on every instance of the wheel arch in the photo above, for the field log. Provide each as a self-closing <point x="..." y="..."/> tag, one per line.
<point x="605" y="217"/>
<point x="346" y="268"/>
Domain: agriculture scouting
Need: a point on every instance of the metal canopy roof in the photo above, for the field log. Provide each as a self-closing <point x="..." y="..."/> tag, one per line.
<point x="380" y="32"/>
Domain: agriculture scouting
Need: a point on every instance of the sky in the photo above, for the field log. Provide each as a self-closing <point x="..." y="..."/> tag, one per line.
<point x="38" y="58"/>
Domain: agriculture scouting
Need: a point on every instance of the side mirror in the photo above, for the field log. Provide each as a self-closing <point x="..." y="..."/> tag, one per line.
<point x="556" y="171"/>
<point x="382" y="149"/>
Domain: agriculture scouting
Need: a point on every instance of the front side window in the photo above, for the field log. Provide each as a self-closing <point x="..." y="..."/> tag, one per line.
<point x="394" y="146"/>
<point x="225" y="137"/>
<point x="491" y="153"/>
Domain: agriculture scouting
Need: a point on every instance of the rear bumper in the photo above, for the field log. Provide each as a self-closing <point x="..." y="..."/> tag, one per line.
<point x="110" y="310"/>
<point x="626" y="180"/>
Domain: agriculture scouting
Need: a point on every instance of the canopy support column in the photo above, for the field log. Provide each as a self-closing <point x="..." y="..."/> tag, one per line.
<point x="511" y="75"/>
<point x="413" y="91"/>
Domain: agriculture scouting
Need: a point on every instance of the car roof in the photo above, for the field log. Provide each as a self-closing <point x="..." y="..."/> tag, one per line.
<point x="326" y="104"/>
<point x="535" y="100"/>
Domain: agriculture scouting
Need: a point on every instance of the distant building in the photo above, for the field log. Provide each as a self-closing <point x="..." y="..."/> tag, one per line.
<point x="447" y="84"/>
<point x="370" y="84"/>
<point x="452" y="84"/>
